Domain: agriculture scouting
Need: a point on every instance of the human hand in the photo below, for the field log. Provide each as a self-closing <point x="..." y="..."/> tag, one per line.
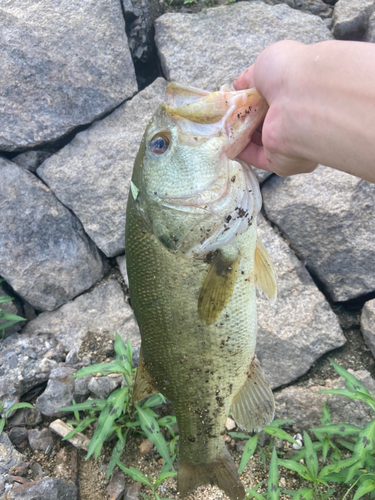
<point x="277" y="74"/>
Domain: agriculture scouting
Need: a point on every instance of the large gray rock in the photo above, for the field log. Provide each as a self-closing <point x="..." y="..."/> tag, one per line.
<point x="304" y="404"/>
<point x="91" y="175"/>
<point x="368" y="324"/>
<point x="209" y="49"/>
<point x="26" y="361"/>
<point x="301" y="326"/>
<point x="104" y="310"/>
<point x="350" y="18"/>
<point x="45" y="255"/>
<point x="45" y="489"/>
<point x="63" y="64"/>
<point x="328" y="217"/>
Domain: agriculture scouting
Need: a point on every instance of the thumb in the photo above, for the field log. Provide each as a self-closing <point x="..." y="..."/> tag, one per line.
<point x="284" y="165"/>
<point x="245" y="80"/>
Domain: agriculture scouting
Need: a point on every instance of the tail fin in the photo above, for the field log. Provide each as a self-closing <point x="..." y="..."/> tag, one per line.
<point x="222" y="473"/>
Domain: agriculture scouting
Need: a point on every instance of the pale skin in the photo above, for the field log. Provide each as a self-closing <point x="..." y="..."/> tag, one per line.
<point x="321" y="101"/>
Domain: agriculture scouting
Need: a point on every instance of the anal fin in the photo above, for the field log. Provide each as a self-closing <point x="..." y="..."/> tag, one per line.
<point x="265" y="277"/>
<point x="222" y="473"/>
<point x="143" y="387"/>
<point x="253" y="407"/>
<point x="217" y="287"/>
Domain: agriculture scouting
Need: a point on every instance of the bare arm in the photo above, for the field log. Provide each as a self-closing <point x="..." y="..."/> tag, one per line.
<point x="322" y="107"/>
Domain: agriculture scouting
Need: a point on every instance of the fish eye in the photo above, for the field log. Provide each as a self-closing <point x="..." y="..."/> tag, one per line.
<point x="159" y="144"/>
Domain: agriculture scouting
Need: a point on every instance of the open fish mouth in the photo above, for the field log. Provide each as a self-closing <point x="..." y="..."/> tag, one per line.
<point x="234" y="114"/>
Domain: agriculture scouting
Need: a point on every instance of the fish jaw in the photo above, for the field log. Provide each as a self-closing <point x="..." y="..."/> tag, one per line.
<point x="235" y="114"/>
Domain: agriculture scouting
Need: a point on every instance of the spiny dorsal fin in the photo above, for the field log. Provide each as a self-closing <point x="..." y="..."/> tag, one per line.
<point x="143" y="387"/>
<point x="253" y="407"/>
<point x="217" y="288"/>
<point x="265" y="277"/>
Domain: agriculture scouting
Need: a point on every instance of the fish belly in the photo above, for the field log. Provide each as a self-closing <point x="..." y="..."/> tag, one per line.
<point x="198" y="367"/>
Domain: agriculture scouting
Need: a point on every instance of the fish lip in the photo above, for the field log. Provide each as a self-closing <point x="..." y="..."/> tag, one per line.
<point x="235" y="114"/>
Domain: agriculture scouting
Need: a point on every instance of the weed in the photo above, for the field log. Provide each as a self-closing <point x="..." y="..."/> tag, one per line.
<point x="273" y="490"/>
<point x="253" y="442"/>
<point x="118" y="415"/>
<point x="358" y="471"/>
<point x="7" y="319"/>
<point x="7" y="412"/>
<point x="142" y="478"/>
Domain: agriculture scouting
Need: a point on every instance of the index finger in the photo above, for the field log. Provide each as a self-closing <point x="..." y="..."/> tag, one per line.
<point x="245" y="80"/>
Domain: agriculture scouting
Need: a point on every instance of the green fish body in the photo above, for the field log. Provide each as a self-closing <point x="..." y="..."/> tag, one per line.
<point x="193" y="262"/>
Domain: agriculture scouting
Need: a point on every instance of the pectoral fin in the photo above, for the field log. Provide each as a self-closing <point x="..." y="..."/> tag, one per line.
<point x="143" y="387"/>
<point x="265" y="277"/>
<point x="217" y="288"/>
<point x="253" y="406"/>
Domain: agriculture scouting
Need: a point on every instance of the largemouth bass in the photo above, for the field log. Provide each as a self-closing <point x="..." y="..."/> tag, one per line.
<point x="193" y="262"/>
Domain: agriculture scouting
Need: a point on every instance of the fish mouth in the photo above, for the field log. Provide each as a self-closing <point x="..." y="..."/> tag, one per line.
<point x="235" y="114"/>
<point x="231" y="199"/>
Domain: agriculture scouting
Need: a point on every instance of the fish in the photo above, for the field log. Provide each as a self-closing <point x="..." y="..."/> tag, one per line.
<point x="194" y="262"/>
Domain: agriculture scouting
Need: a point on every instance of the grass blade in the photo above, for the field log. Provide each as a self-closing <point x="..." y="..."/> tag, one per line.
<point x="279" y="433"/>
<point x="151" y="428"/>
<point x="351" y="381"/>
<point x="297" y="467"/>
<point x="254" y="494"/>
<point x="2" y="423"/>
<point x="365" y="487"/>
<point x="338" y="429"/>
<point x="239" y="435"/>
<point x="135" y="474"/>
<point x="317" y="445"/>
<point x="155" y="400"/>
<point x="17" y="406"/>
<point x="103" y="368"/>
<point x="302" y="494"/>
<point x="80" y="427"/>
<point x="326" y="416"/>
<point x="116" y="454"/>
<point x="311" y="456"/>
<point x="273" y="478"/>
<point x="337" y="467"/>
<point x="110" y="412"/>
<point x="165" y="475"/>
<point x="248" y="452"/>
<point x="93" y="404"/>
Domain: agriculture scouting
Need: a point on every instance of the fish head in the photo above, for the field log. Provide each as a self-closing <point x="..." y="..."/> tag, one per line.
<point x="189" y="188"/>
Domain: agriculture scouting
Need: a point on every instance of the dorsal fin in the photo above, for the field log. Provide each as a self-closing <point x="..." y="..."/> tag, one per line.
<point x="265" y="277"/>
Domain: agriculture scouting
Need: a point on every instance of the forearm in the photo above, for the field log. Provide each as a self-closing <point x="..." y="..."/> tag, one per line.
<point x="331" y="114"/>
